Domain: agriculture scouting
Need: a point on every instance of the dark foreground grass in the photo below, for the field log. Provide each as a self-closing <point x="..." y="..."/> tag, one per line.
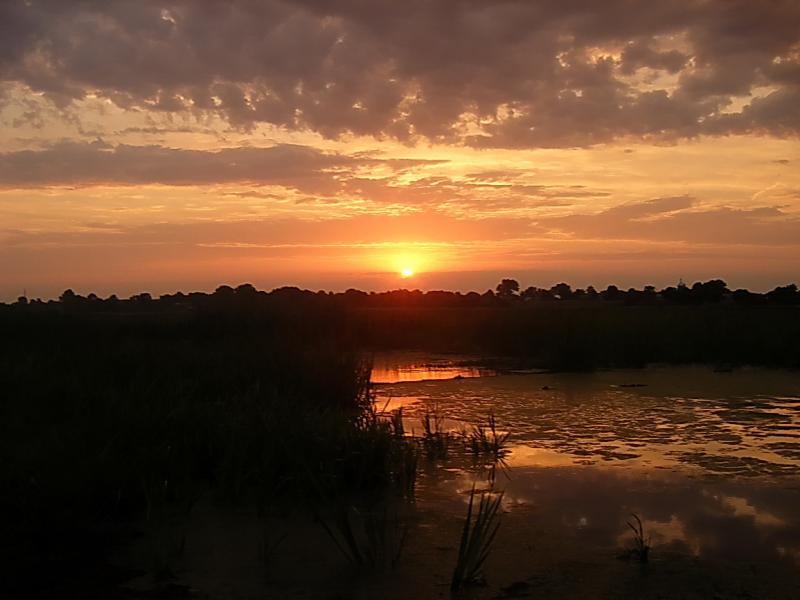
<point x="106" y="423"/>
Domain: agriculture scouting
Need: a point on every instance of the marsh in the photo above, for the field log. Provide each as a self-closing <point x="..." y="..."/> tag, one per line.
<point x="709" y="460"/>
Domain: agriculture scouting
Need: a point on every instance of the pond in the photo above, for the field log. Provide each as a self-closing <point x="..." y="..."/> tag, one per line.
<point x="710" y="461"/>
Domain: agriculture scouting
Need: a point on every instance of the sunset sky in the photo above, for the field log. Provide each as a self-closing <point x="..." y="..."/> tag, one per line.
<point x="178" y="145"/>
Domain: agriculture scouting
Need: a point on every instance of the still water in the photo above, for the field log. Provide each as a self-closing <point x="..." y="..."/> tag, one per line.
<point x="709" y="460"/>
<point x="745" y="422"/>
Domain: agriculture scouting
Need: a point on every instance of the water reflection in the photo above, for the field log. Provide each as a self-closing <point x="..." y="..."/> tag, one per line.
<point x="730" y="424"/>
<point x="419" y="367"/>
<point x="709" y="461"/>
<point x="708" y="518"/>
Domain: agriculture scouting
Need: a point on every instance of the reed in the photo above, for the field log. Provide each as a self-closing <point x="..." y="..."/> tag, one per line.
<point x="435" y="439"/>
<point x="641" y="544"/>
<point x="486" y="439"/>
<point x="477" y="536"/>
<point x="370" y="539"/>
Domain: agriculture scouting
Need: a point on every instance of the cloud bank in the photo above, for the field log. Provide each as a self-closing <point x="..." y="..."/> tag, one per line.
<point x="511" y="73"/>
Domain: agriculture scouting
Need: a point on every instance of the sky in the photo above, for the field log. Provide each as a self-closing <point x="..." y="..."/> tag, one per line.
<point x="179" y="145"/>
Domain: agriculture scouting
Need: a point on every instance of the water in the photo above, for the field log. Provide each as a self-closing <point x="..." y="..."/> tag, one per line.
<point x="709" y="460"/>
<point x="417" y="367"/>
<point x="745" y="422"/>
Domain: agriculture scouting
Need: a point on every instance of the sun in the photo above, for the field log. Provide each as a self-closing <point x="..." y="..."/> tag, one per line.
<point x="407" y="264"/>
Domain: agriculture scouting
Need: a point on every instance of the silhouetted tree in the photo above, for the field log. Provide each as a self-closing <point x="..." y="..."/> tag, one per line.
<point x="742" y="296"/>
<point x="224" y="291"/>
<point x="710" y="291"/>
<point x="507" y="288"/>
<point x="612" y="292"/>
<point x="246" y="289"/>
<point x="787" y="294"/>
<point x="562" y="291"/>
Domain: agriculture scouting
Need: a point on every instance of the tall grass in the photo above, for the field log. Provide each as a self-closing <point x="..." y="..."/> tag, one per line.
<point x="641" y="544"/>
<point x="370" y="538"/>
<point x="396" y="421"/>
<point x="112" y="421"/>
<point x="477" y="536"/>
<point x="487" y="439"/>
<point x="435" y="439"/>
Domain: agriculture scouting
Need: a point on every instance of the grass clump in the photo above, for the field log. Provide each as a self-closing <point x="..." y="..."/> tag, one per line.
<point x="641" y="543"/>
<point x="477" y="535"/>
<point x="370" y="538"/>
<point x="487" y="440"/>
<point x="435" y="439"/>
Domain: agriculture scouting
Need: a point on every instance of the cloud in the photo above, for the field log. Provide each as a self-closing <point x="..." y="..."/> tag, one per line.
<point x="317" y="177"/>
<point x="296" y="235"/>
<point x="667" y="219"/>
<point x="638" y="54"/>
<point x="303" y="168"/>
<point x="499" y="74"/>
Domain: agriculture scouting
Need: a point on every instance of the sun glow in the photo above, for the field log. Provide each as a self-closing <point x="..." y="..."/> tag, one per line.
<point x="406" y="272"/>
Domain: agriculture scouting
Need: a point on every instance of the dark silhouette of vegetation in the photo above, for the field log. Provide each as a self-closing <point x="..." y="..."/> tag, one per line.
<point x="557" y="328"/>
<point x="435" y="440"/>
<point x="478" y="532"/>
<point x="117" y="411"/>
<point x="111" y="422"/>
<point x="508" y="288"/>
<point x="641" y="541"/>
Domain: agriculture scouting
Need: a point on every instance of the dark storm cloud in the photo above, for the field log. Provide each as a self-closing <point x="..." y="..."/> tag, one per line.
<point x="637" y="55"/>
<point x="548" y="73"/>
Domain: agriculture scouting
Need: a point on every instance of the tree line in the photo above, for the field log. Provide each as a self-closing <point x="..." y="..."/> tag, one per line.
<point x="507" y="292"/>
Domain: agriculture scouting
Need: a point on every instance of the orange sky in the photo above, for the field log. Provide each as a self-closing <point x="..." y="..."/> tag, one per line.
<point x="159" y="146"/>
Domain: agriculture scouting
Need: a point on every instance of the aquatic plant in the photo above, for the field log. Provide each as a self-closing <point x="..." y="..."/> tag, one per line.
<point x="487" y="440"/>
<point x="435" y="440"/>
<point x="396" y="421"/>
<point x="477" y="535"/>
<point x="641" y="548"/>
<point x="371" y="538"/>
<point x="404" y="467"/>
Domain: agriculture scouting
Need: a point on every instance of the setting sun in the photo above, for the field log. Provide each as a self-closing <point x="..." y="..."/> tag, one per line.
<point x="406" y="272"/>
